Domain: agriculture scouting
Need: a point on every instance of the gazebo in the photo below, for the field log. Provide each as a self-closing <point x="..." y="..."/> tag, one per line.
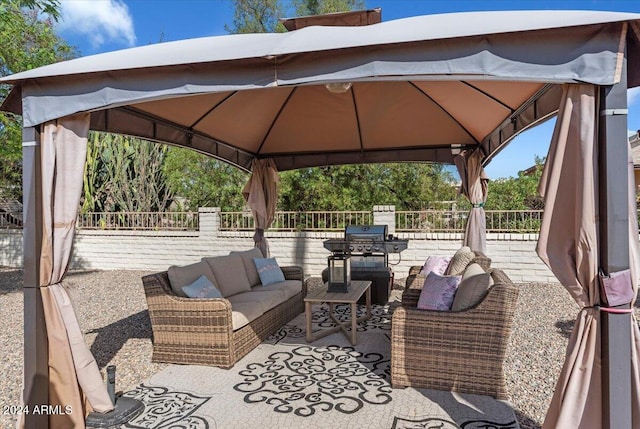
<point x="426" y="88"/>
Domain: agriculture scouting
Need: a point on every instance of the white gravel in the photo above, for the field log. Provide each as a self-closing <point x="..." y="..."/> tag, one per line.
<point x="111" y="309"/>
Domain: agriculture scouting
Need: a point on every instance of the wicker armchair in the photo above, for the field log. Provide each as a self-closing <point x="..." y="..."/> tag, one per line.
<point x="199" y="331"/>
<point x="460" y="351"/>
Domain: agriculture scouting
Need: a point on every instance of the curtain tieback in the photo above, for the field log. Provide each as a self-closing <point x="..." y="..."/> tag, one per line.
<point x="478" y="205"/>
<point x="613" y="310"/>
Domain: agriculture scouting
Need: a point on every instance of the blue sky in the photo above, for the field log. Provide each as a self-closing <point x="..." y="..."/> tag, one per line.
<point x="97" y="26"/>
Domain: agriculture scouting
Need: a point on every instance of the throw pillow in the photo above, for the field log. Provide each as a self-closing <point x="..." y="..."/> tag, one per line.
<point x="268" y="270"/>
<point x="437" y="264"/>
<point x="460" y="260"/>
<point x="438" y="292"/>
<point x="473" y="287"/>
<point x="202" y="288"/>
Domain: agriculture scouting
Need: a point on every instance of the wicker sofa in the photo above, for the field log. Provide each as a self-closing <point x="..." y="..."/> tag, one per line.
<point x="461" y="351"/>
<point x="218" y="331"/>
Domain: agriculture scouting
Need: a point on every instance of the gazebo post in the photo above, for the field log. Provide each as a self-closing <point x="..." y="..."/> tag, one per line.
<point x="614" y="250"/>
<point x="36" y="346"/>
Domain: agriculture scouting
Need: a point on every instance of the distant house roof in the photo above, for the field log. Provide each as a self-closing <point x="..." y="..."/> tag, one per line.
<point x="634" y="141"/>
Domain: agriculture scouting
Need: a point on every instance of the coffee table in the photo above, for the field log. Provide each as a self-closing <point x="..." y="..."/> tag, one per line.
<point x="356" y="289"/>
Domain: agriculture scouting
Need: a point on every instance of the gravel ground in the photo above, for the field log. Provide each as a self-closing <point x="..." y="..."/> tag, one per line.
<point x="112" y="311"/>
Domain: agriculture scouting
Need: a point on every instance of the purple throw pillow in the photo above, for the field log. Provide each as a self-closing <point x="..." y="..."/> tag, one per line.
<point x="436" y="264"/>
<point x="438" y="292"/>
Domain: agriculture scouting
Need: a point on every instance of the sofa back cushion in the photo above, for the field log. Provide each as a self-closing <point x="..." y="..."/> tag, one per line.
<point x="249" y="266"/>
<point x="460" y="260"/>
<point x="472" y="289"/>
<point x="230" y="274"/>
<point x="180" y="277"/>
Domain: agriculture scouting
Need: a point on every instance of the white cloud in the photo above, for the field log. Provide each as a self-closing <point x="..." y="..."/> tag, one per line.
<point x="633" y="95"/>
<point x="100" y="21"/>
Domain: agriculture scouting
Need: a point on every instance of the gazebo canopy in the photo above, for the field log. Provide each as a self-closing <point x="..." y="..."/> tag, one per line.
<point x="403" y="90"/>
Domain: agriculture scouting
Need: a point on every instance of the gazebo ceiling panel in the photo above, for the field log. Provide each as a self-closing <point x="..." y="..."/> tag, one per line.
<point x="314" y="119"/>
<point x="184" y="111"/>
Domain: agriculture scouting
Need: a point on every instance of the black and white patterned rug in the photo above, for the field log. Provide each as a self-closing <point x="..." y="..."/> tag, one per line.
<point x="287" y="383"/>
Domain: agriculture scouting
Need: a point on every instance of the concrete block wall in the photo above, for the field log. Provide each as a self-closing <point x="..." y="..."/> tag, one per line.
<point x="157" y="250"/>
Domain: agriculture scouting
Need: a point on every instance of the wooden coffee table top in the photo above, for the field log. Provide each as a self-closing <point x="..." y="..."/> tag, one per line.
<point x="355" y="291"/>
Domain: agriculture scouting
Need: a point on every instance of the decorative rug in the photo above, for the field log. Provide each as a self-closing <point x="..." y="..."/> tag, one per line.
<point x="287" y="383"/>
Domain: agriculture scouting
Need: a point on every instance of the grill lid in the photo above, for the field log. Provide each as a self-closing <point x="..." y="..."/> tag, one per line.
<point x="365" y="232"/>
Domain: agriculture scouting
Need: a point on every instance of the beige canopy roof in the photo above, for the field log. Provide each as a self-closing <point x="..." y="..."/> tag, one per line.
<point x="412" y="88"/>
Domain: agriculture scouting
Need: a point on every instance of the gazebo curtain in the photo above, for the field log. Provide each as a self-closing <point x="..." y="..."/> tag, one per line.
<point x="474" y="187"/>
<point x="73" y="371"/>
<point x="261" y="194"/>
<point x="568" y="244"/>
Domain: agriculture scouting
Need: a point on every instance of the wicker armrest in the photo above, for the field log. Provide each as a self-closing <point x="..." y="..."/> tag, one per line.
<point x="462" y="351"/>
<point x="174" y="318"/>
<point x="415" y="270"/>
<point x="295" y="272"/>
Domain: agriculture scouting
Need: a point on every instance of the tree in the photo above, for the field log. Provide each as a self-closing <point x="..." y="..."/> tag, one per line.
<point x="519" y="193"/>
<point x="27" y="40"/>
<point x="408" y="186"/>
<point x="319" y="7"/>
<point x="124" y="174"/>
<point x="204" y="181"/>
<point x="257" y="16"/>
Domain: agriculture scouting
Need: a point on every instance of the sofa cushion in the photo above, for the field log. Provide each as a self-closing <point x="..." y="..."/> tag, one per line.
<point x="266" y="299"/>
<point x="202" y="288"/>
<point x="180" y="277"/>
<point x="473" y="287"/>
<point x="268" y="270"/>
<point x="231" y="278"/>
<point x="249" y="266"/>
<point x="438" y="292"/>
<point x="437" y="264"/>
<point x="460" y="260"/>
<point x="290" y="288"/>
<point x="243" y="313"/>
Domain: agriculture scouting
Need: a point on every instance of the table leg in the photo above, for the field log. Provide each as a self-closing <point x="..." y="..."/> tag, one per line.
<point x="368" y="301"/>
<point x="354" y="322"/>
<point x="307" y="310"/>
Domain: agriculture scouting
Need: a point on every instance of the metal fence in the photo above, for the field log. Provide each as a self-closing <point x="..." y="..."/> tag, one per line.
<point x="298" y="221"/>
<point x="517" y="221"/>
<point x="153" y="221"/>
<point x="10" y="220"/>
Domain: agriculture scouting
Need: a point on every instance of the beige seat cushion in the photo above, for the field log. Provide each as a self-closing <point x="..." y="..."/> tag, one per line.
<point x="290" y="288"/>
<point x="243" y="313"/>
<point x="459" y="262"/>
<point x="183" y="276"/>
<point x="230" y="274"/>
<point x="249" y="266"/>
<point x="473" y="287"/>
<point x="265" y="299"/>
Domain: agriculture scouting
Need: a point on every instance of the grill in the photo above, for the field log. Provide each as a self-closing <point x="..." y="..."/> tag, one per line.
<point x="369" y="247"/>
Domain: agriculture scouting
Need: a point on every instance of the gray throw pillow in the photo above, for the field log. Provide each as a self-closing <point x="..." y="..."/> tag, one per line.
<point x="473" y="287"/>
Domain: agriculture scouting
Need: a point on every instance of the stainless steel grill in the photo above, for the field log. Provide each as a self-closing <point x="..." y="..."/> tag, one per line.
<point x="367" y="241"/>
<point x="369" y="247"/>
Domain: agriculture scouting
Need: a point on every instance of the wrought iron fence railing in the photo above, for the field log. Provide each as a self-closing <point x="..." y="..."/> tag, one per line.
<point x="298" y="221"/>
<point x="516" y="221"/>
<point x="505" y="221"/>
<point x="10" y="220"/>
<point x="154" y="221"/>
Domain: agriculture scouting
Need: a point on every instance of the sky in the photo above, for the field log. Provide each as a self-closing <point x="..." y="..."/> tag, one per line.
<point x="97" y="26"/>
